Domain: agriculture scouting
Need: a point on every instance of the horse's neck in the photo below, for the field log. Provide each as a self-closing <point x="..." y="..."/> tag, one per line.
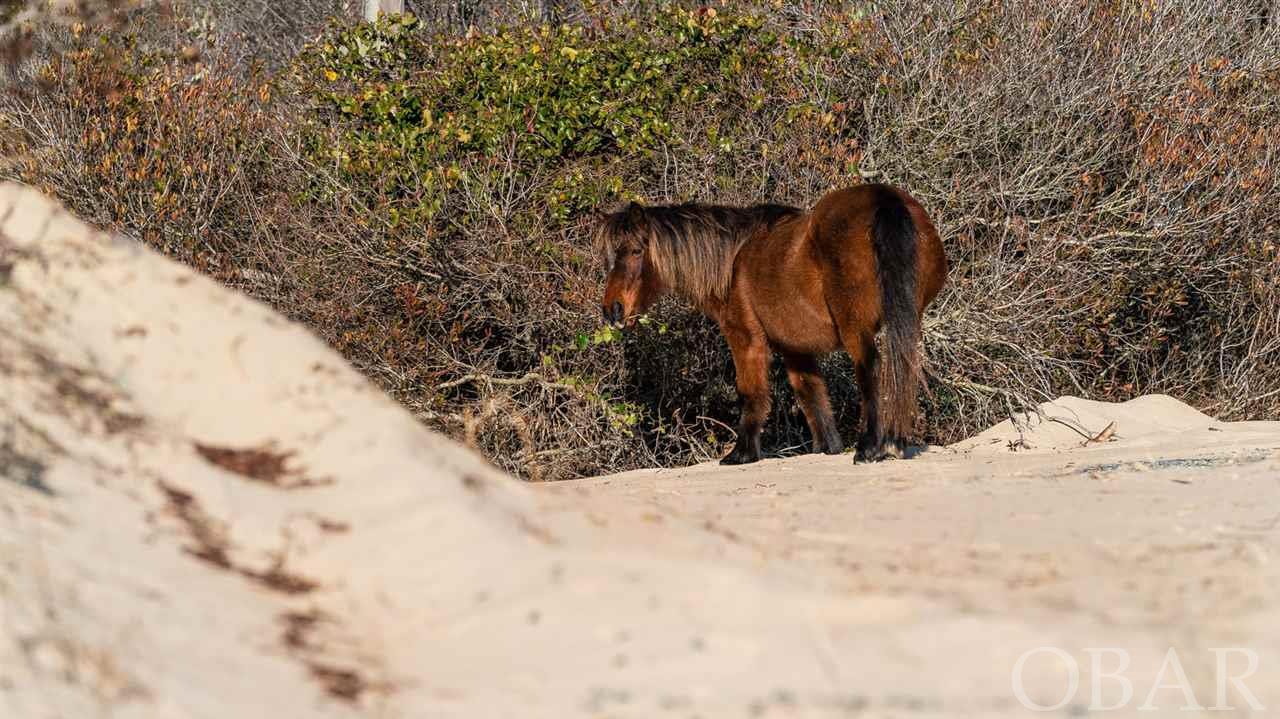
<point x="712" y="307"/>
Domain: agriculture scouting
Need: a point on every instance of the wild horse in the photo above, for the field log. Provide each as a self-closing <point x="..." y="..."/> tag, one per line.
<point x="803" y="284"/>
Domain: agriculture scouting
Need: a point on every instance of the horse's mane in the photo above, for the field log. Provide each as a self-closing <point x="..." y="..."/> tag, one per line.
<point x="691" y="246"/>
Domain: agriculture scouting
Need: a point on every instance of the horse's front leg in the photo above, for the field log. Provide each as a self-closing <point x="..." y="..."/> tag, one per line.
<point x="751" y="364"/>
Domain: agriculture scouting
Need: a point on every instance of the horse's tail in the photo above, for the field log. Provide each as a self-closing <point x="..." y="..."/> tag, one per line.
<point x="894" y="239"/>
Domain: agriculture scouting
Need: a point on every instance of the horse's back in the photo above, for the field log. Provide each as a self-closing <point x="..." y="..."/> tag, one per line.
<point x="839" y="232"/>
<point x="840" y="229"/>
<point x="809" y="275"/>
<point x="778" y="275"/>
<point x="846" y="215"/>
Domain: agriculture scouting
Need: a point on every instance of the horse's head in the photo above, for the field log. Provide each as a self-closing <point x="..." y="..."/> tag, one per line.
<point x="624" y="240"/>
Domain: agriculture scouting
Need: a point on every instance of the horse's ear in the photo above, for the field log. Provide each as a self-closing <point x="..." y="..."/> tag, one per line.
<point x="604" y="226"/>
<point x="637" y="220"/>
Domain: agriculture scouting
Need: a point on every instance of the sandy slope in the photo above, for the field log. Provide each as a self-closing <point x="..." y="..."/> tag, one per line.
<point x="208" y="514"/>
<point x="1165" y="536"/>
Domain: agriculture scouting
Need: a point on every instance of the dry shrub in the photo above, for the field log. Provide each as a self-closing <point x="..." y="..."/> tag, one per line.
<point x="173" y="153"/>
<point x="254" y="33"/>
<point x="1101" y="171"/>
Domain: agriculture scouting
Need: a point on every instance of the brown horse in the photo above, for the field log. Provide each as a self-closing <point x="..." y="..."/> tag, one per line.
<point x="776" y="278"/>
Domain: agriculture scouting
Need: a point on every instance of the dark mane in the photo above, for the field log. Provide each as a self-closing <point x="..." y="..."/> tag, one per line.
<point x="691" y="246"/>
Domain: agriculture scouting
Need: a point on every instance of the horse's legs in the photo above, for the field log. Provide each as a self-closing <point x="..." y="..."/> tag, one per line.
<point x="811" y="391"/>
<point x="873" y="445"/>
<point x="866" y="364"/>
<point x="751" y="364"/>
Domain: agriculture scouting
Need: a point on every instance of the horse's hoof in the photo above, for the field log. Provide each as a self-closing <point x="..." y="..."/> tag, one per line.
<point x="833" y="450"/>
<point x="889" y="448"/>
<point x="735" y="458"/>
<point x="866" y="455"/>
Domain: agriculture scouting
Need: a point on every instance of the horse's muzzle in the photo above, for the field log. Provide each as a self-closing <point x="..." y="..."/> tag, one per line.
<point x="613" y="313"/>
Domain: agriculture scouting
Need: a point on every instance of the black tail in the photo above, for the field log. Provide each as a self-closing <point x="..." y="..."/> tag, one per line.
<point x="894" y="238"/>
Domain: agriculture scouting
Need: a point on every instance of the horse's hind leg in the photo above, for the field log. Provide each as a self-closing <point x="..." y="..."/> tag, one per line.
<point x="873" y="445"/>
<point x="866" y="365"/>
<point x="811" y="392"/>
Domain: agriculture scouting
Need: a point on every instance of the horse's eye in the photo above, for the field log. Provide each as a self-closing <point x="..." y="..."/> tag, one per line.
<point x="636" y="251"/>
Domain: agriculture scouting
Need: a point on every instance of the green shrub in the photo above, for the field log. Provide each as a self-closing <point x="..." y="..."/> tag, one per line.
<point x="401" y="114"/>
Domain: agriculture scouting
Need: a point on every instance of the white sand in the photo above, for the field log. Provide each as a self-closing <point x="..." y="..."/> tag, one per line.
<point x="389" y="573"/>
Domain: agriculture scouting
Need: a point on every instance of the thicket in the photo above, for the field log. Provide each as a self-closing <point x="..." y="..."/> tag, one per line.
<point x="1101" y="170"/>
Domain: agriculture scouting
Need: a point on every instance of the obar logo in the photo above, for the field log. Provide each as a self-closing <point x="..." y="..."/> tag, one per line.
<point x="1110" y="687"/>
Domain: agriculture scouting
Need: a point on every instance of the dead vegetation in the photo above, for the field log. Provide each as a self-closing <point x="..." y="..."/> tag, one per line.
<point x="343" y="683"/>
<point x="210" y="544"/>
<point x="1102" y="173"/>
<point x="263" y="464"/>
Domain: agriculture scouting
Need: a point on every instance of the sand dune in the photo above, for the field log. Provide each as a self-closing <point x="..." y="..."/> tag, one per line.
<point x="206" y="513"/>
